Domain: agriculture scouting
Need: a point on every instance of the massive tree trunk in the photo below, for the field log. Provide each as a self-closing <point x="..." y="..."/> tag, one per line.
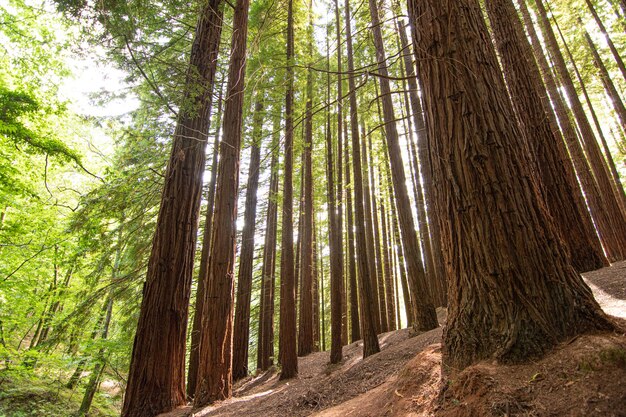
<point x="614" y="238"/>
<point x="203" y="276"/>
<point x="513" y="293"/>
<point x="241" y="335"/>
<point x="555" y="174"/>
<point x="368" y="326"/>
<point x="424" y="316"/>
<point x="288" y="349"/>
<point x="265" y="346"/>
<point x="214" y="381"/>
<point x="160" y="339"/>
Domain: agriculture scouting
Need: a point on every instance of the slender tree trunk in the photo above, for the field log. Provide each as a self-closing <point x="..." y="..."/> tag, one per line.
<point x="615" y="232"/>
<point x="423" y="171"/>
<point x="305" y="333"/>
<point x="369" y="231"/>
<point x="340" y="186"/>
<point x="266" y="312"/>
<point x="336" y="267"/>
<point x="368" y="326"/>
<point x="214" y="381"/>
<point x="408" y="301"/>
<point x="556" y="179"/>
<point x="241" y="332"/>
<point x="619" y="190"/>
<point x="616" y="55"/>
<point x="380" y="273"/>
<point x="153" y="388"/>
<point x="513" y="293"/>
<point x="101" y="360"/>
<point x="599" y="211"/>
<point x="424" y="314"/>
<point x="203" y="274"/>
<point x="323" y="302"/>
<point x="355" y="329"/>
<point x="316" y="294"/>
<point x="618" y="106"/>
<point x="288" y="349"/>
<point x="389" y="294"/>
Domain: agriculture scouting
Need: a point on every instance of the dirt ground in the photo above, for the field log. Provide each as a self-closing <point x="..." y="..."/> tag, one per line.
<point x="584" y="377"/>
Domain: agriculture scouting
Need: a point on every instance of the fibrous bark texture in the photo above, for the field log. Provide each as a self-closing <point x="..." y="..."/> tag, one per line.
<point x="160" y="339"/>
<point x="214" y="381"/>
<point x="555" y="173"/>
<point x="241" y="335"/>
<point x="513" y="293"/>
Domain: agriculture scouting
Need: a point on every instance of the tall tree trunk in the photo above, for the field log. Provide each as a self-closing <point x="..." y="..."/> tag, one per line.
<point x="214" y="381"/>
<point x="599" y="212"/>
<point x="616" y="55"/>
<point x="316" y="294"/>
<point x="424" y="316"/>
<point x="98" y="368"/>
<point x="513" y="293"/>
<point x="336" y="267"/>
<point x="241" y="332"/>
<point x="389" y="295"/>
<point x="355" y="329"/>
<point x="368" y="326"/>
<point x="401" y="255"/>
<point x="615" y="234"/>
<point x="380" y="273"/>
<point x="369" y="232"/>
<point x="619" y="190"/>
<point x="618" y="106"/>
<point x="305" y="333"/>
<point x="288" y="348"/>
<point x="423" y="171"/>
<point x="340" y="184"/>
<point x="265" y="346"/>
<point x="555" y="175"/>
<point x="203" y="275"/>
<point x="153" y="388"/>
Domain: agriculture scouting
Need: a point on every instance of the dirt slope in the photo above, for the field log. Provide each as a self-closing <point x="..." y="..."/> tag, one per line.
<point x="584" y="377"/>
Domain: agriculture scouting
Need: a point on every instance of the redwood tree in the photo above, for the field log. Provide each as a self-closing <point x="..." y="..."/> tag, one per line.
<point x="424" y="316"/>
<point x="513" y="293"/>
<point x="558" y="184"/>
<point x="153" y="388"/>
<point x="287" y="326"/>
<point x="241" y="335"/>
<point x="214" y="381"/>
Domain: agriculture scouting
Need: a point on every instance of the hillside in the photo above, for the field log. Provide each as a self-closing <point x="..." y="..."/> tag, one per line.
<point x="580" y="378"/>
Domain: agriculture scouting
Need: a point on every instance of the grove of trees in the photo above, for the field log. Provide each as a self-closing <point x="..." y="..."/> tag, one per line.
<point x="288" y="177"/>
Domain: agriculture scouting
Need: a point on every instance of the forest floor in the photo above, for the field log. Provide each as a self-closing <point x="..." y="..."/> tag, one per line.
<point x="585" y="376"/>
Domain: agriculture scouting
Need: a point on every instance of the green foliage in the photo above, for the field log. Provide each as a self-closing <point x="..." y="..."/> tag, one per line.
<point x="30" y="396"/>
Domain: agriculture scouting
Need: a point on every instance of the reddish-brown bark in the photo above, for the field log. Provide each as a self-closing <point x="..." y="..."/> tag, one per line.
<point x="160" y="339"/>
<point x="214" y="381"/>
<point x="287" y="345"/>
<point x="241" y="329"/>
<point x="513" y="293"/>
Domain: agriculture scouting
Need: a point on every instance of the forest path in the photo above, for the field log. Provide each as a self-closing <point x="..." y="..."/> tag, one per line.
<point x="609" y="288"/>
<point x="337" y="390"/>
